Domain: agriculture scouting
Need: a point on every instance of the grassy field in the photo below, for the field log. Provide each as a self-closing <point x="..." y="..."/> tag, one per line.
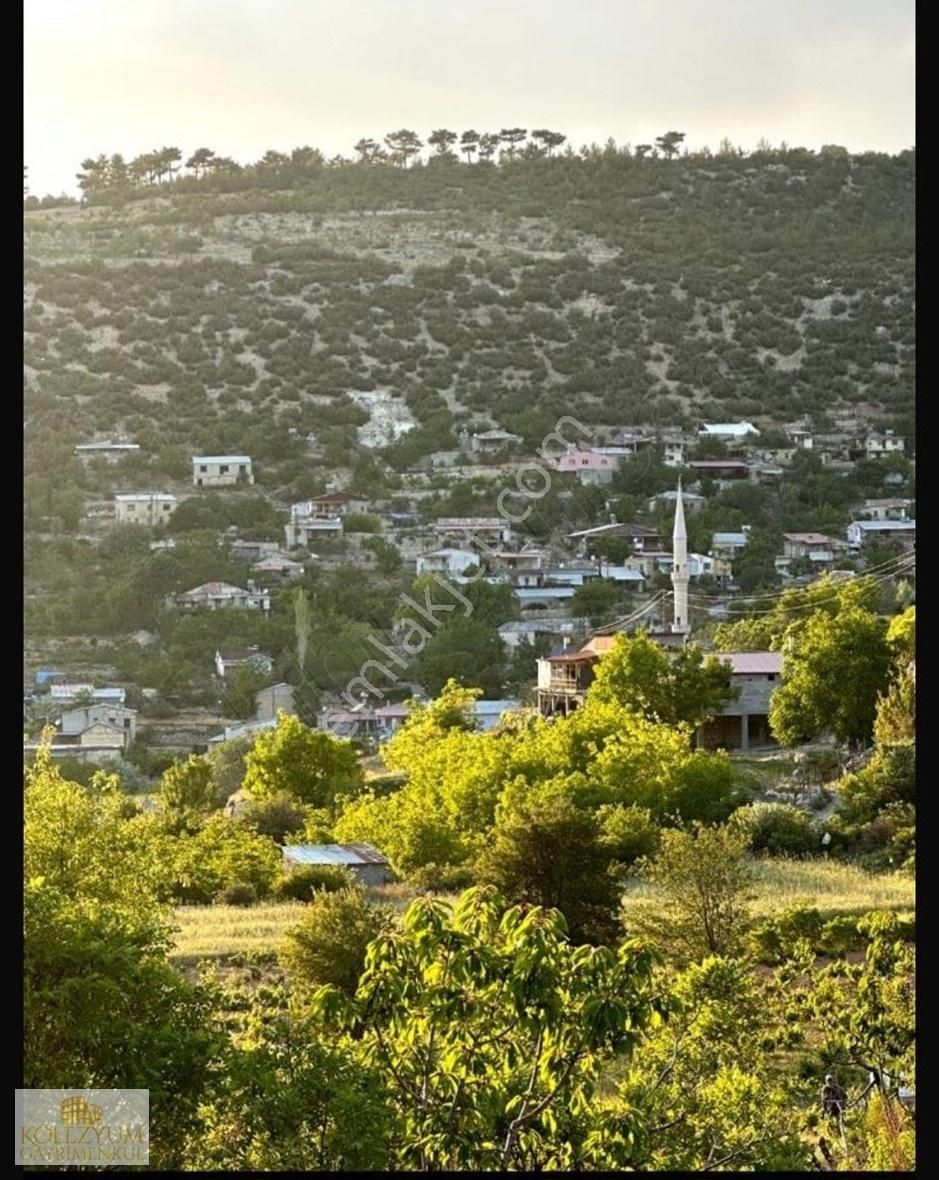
<point x="833" y="887"/>
<point x="219" y="931"/>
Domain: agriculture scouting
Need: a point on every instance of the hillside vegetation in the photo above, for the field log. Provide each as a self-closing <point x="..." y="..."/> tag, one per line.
<point x="242" y="312"/>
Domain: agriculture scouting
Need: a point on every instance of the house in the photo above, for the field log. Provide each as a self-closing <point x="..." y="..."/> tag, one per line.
<point x="800" y="437"/>
<point x="728" y="431"/>
<point x="219" y="471"/>
<point x="728" y="544"/>
<point x="665" y="501"/>
<point x="722" y="470"/>
<point x="278" y="568"/>
<point x="492" y="529"/>
<point x="221" y="595"/>
<point x="111" y="452"/>
<point x="488" y="714"/>
<point x="744" y="722"/>
<point x="522" y="567"/>
<point x="490" y="442"/>
<point x="49" y="676"/>
<point x="528" y="631"/>
<point x="243" y="729"/>
<point x="252" y="550"/>
<point x="331" y="504"/>
<point x="379" y="723"/>
<point x="67" y="693"/>
<point x="363" y="861"/>
<point x="447" y="561"/>
<point x="228" y="659"/>
<point x="640" y="535"/>
<point x="814" y="545"/>
<point x="163" y="544"/>
<point x="78" y="720"/>
<point x="890" y="508"/>
<point x="305" y="524"/>
<point x="901" y="532"/>
<point x="876" y="445"/>
<point x="277" y="698"/>
<point x="149" y="508"/>
<point x="98" y="742"/>
<point x="589" y="467"/>
<point x="565" y="675"/>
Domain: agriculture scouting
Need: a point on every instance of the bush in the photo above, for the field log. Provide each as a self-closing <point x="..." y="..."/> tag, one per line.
<point x="774" y="939"/>
<point x="328" y="945"/>
<point x="840" y="935"/>
<point x="777" y="828"/>
<point x="277" y="818"/>
<point x="302" y="884"/>
<point x="433" y="878"/>
<point x="628" y="833"/>
<point x="238" y="893"/>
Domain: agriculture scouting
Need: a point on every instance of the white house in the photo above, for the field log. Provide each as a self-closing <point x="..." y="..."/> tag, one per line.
<point x="728" y="431"/>
<point x="447" y="561"/>
<point x="489" y="442"/>
<point x="494" y="529"/>
<point x="665" y="501"/>
<point x="219" y="471"/>
<point x="306" y="524"/>
<point x="331" y="504"/>
<point x="278" y="567"/>
<point x="111" y="452"/>
<point x="876" y="445"/>
<point x="147" y="508"/>
<point x="889" y="508"/>
<point x="727" y="544"/>
<point x="66" y="693"/>
<point x="219" y="595"/>
<point x="118" y="717"/>
<point x="862" y="531"/>
<point x="230" y="658"/>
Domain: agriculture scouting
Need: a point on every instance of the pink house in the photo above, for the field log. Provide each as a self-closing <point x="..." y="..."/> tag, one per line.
<point x="588" y="466"/>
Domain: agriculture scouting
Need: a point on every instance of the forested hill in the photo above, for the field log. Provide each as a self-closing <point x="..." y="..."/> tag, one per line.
<point x="238" y="311"/>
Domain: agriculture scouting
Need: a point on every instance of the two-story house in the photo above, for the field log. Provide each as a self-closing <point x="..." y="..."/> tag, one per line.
<point x="219" y="471"/>
<point x="146" y="508"/>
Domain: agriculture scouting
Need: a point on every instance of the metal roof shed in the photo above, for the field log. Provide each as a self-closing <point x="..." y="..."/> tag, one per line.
<point x="366" y="863"/>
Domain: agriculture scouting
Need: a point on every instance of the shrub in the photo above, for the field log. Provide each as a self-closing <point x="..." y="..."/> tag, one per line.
<point x="238" y="893"/>
<point x="777" y="828"/>
<point x="840" y="935"/>
<point x="303" y="883"/>
<point x="328" y="945"/>
<point x="628" y="833"/>
<point x="277" y="818"/>
<point x="774" y="939"/>
<point x="433" y="878"/>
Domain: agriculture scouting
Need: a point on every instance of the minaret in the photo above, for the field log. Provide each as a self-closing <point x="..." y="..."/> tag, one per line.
<point x="680" y="568"/>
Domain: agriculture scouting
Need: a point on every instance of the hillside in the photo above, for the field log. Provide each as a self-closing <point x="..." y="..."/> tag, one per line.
<point x="761" y="287"/>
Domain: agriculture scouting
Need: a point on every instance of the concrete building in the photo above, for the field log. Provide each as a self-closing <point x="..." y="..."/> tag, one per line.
<point x="221" y="595"/>
<point x="276" y="698"/>
<point x="902" y="532"/>
<point x="450" y="562"/>
<point x="744" y="723"/>
<point x="728" y="431"/>
<point x="220" y="471"/>
<point x="148" y="508"/>
<point x="493" y="530"/>
<point x="229" y="659"/>
<point x="305" y="526"/>
<point x="589" y="467"/>
<point x="111" y="452"/>
<point x="117" y="717"/>
<point x="331" y="504"/>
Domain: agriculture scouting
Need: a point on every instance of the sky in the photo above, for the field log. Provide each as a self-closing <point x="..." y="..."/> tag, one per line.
<point x="243" y="76"/>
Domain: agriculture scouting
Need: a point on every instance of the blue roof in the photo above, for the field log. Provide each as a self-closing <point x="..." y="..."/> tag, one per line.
<point x="44" y="674"/>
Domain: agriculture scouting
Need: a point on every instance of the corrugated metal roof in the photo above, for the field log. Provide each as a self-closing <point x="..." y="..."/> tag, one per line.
<point x="334" y="854"/>
<point x="221" y="458"/>
<point x="755" y="662"/>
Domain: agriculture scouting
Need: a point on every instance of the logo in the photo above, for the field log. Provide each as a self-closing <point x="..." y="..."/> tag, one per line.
<point x="82" y="1128"/>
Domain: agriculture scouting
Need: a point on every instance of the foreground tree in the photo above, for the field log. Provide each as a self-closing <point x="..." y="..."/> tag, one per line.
<point x="667" y="687"/>
<point x="188" y="793"/>
<point x="489" y="1031"/>
<point x="702" y="879"/>
<point x="546" y="851"/>
<point x="309" y="764"/>
<point x="833" y="671"/>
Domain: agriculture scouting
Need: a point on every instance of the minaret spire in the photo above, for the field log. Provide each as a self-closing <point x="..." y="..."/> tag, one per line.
<point x="680" y="624"/>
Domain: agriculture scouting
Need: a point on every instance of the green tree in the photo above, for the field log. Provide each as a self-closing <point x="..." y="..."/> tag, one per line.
<point x="442" y="141"/>
<point x="546" y="851"/>
<point x="702" y="881"/>
<point x="895" y="718"/>
<point x="241" y="685"/>
<point x="672" y="688"/>
<point x="597" y="600"/>
<point x="467" y="650"/>
<point x="220" y="855"/>
<point x="469" y="142"/>
<point x="188" y="793"/>
<point x="402" y="145"/>
<point x="833" y="671"/>
<point x="310" y="765"/>
<point x="227" y="760"/>
<point x="669" y="143"/>
<point x="328" y="944"/>
<point x="490" y="1031"/>
<point x="277" y="817"/>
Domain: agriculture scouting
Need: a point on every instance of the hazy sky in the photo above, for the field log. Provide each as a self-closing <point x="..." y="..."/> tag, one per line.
<point x="242" y="76"/>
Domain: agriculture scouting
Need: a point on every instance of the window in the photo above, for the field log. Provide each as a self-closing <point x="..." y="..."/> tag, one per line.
<point x="243" y="469"/>
<point x="203" y="468"/>
<point x="166" y="507"/>
<point x="223" y="469"/>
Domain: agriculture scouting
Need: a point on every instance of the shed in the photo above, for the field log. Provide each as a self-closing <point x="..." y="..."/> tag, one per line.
<point x="362" y="860"/>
